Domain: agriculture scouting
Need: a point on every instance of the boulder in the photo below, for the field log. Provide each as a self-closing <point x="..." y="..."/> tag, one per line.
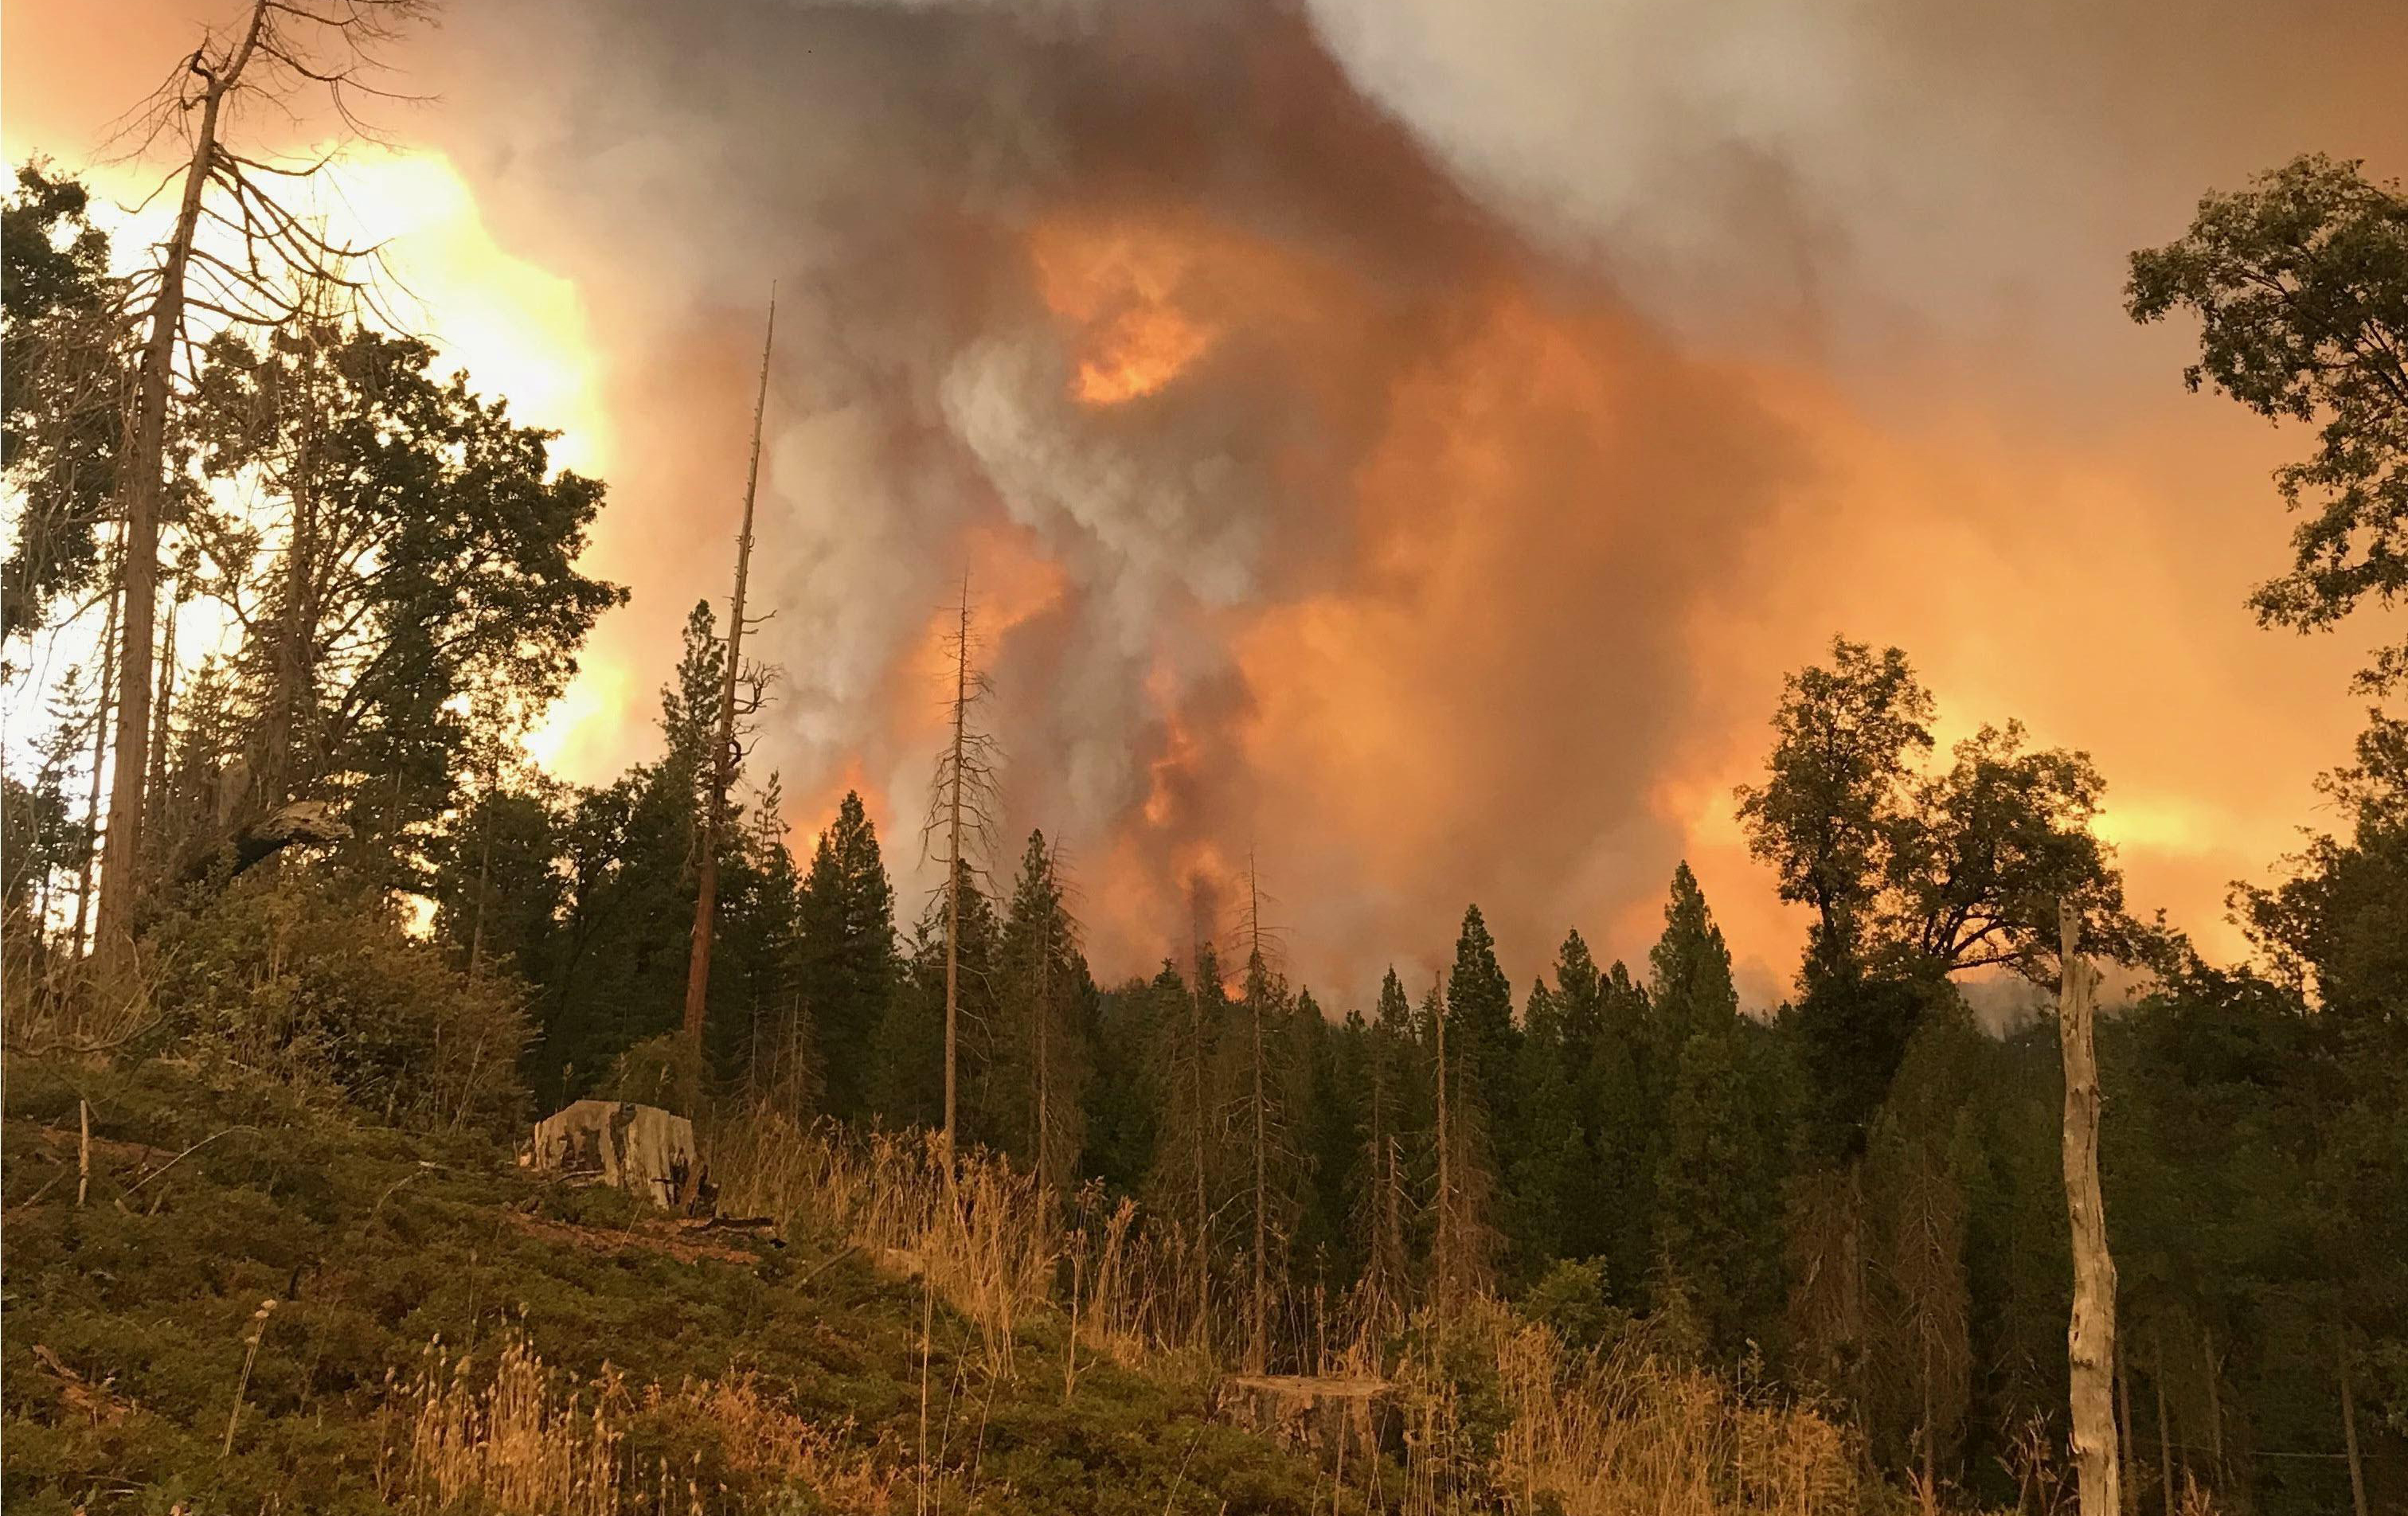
<point x="642" y="1149"/>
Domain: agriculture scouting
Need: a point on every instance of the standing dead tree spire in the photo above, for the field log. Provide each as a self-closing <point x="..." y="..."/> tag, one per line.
<point x="722" y="756"/>
<point x="2090" y="1335"/>
<point x="258" y="255"/>
<point x="963" y="803"/>
<point x="1265" y="1115"/>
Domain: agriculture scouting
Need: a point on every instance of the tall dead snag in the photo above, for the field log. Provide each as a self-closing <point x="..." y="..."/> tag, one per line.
<point x="962" y="808"/>
<point x="2090" y="1337"/>
<point x="723" y="757"/>
<point x="281" y="48"/>
<point x="99" y="766"/>
<point x="1267" y="1106"/>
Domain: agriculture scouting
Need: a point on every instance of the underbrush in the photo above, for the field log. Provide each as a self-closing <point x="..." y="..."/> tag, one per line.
<point x="431" y="1296"/>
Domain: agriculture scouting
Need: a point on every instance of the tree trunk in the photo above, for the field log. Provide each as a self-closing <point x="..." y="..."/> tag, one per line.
<point x="2091" y="1335"/>
<point x="2124" y="1443"/>
<point x="1040" y="1150"/>
<point x="2215" y="1406"/>
<point x="154" y="809"/>
<point x="99" y="764"/>
<point x="705" y="896"/>
<point x="120" y="865"/>
<point x="1438" y="1260"/>
<point x="2166" y="1479"/>
<point x="1203" y="1204"/>
<point x="953" y="874"/>
<point x="2349" y="1426"/>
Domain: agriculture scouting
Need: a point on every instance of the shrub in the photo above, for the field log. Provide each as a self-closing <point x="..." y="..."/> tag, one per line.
<point x="319" y="983"/>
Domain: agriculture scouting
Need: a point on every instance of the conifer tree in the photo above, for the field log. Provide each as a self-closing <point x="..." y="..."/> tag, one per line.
<point x="962" y="807"/>
<point x="1718" y="1191"/>
<point x="1383" y="1208"/>
<point x="1258" y="1071"/>
<point x="1039" y="1084"/>
<point x="1187" y="1148"/>
<point x="1463" y="1235"/>
<point x="1544" y="1165"/>
<point x="1480" y="1009"/>
<point x="955" y="946"/>
<point x="847" y="971"/>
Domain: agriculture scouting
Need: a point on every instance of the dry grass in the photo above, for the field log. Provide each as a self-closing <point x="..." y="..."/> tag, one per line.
<point x="1626" y="1431"/>
<point x="522" y="1441"/>
<point x="525" y="1440"/>
<point x="988" y="1243"/>
<point x="1616" y="1433"/>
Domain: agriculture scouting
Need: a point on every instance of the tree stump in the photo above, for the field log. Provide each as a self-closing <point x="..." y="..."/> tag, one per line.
<point x="1341" y="1420"/>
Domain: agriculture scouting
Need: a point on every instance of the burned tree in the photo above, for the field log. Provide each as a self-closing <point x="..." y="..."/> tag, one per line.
<point x="723" y="755"/>
<point x="962" y="807"/>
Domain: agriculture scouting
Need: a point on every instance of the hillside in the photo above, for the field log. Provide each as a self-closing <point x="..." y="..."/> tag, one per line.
<point x="692" y="1371"/>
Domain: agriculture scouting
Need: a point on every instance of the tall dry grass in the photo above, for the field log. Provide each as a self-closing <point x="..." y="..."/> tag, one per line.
<point x="1624" y="1430"/>
<point x="523" y="1440"/>
<point x="1614" y="1433"/>
<point x="520" y="1439"/>
<point x="988" y="1240"/>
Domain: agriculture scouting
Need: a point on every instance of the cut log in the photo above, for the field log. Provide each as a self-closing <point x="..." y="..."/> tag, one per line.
<point x="303" y="822"/>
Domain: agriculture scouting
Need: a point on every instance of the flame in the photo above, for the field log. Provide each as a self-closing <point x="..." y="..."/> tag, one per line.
<point x="1120" y="290"/>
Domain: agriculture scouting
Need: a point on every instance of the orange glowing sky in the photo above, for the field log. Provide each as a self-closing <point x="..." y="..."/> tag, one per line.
<point x="1601" y="481"/>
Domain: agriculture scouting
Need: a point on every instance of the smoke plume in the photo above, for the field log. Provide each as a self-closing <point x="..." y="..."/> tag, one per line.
<point x="1400" y="446"/>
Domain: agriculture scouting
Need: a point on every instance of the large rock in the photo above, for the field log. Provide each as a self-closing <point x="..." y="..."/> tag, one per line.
<point x="641" y="1148"/>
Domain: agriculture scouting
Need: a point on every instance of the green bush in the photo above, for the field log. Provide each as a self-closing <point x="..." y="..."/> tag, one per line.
<point x="320" y="983"/>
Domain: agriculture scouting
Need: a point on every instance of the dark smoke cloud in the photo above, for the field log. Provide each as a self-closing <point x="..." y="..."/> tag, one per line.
<point x="1564" y="372"/>
<point x="1389" y="583"/>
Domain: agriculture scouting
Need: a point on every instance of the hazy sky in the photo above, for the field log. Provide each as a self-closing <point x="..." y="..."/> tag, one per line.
<point x="1406" y="440"/>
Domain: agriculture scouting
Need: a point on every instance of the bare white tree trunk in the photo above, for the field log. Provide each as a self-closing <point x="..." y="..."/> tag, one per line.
<point x="953" y="871"/>
<point x="722" y="756"/>
<point x="2090" y="1337"/>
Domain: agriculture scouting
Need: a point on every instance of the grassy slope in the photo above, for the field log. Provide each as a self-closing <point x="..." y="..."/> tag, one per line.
<point x="125" y="1320"/>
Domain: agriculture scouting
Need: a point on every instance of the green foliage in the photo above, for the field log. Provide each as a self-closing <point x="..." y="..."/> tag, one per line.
<point x="1571" y="1300"/>
<point x="61" y="427"/>
<point x="307" y="976"/>
<point x="1844" y="741"/>
<point x="127" y="1325"/>
<point x="439" y="564"/>
<point x="1480" y="1021"/>
<point x="2300" y="284"/>
<point x="847" y="968"/>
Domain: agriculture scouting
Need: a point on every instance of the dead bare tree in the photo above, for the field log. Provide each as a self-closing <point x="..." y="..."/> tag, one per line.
<point x="281" y="49"/>
<point x="722" y="758"/>
<point x="962" y="808"/>
<point x="2090" y="1335"/>
<point x="100" y="766"/>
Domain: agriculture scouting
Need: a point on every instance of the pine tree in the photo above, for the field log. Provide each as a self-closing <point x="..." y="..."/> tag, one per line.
<point x="1718" y="1187"/>
<point x="1545" y="1164"/>
<point x="1187" y="1151"/>
<point x="1384" y="1210"/>
<point x="1463" y="1234"/>
<point x="1480" y="1009"/>
<point x="1039" y="1085"/>
<point x="847" y="970"/>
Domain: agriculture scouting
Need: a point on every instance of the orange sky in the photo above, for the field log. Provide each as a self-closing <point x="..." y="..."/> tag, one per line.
<point x="1413" y="455"/>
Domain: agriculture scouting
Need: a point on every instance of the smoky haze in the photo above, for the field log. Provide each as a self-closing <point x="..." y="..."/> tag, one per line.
<point x="1407" y="449"/>
<point x="1307" y="506"/>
